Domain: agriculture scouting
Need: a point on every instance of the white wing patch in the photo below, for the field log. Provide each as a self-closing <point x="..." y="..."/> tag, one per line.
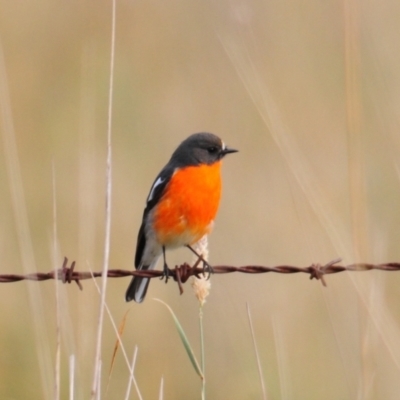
<point x="158" y="182"/>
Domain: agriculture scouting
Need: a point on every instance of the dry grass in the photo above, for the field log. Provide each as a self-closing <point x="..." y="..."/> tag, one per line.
<point x="309" y="93"/>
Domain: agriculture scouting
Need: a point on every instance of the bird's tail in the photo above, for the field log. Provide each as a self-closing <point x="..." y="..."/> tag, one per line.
<point x="138" y="287"/>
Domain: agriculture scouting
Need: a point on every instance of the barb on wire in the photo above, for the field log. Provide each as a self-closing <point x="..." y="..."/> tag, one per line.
<point x="183" y="272"/>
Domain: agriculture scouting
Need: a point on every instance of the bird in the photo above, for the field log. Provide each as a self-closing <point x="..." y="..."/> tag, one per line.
<point x="181" y="206"/>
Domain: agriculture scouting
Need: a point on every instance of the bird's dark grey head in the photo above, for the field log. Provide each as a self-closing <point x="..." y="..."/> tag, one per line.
<point x="200" y="148"/>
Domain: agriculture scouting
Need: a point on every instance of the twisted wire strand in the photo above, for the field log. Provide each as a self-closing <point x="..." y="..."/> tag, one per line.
<point x="182" y="273"/>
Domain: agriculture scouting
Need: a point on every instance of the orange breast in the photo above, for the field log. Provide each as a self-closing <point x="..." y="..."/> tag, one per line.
<point x="187" y="209"/>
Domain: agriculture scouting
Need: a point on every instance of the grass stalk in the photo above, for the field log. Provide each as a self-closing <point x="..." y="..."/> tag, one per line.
<point x="259" y="367"/>
<point x="202" y="349"/>
<point x="58" y="305"/>
<point x="96" y="377"/>
<point x="71" y="376"/>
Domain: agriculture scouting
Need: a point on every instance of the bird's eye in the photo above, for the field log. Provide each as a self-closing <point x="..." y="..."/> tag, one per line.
<point x="212" y="150"/>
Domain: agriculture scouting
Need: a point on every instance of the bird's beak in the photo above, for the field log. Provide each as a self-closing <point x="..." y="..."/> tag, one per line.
<point x="228" y="150"/>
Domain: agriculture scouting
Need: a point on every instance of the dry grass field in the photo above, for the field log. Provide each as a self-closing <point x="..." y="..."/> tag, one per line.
<point x="308" y="91"/>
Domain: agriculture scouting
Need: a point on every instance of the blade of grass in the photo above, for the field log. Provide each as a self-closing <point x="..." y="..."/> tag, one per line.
<point x="71" y="376"/>
<point x="161" y="392"/>
<point x="185" y="341"/>
<point x="131" y="378"/>
<point x="97" y="392"/>
<point x="203" y="361"/>
<point x="284" y="379"/>
<point x="259" y="367"/>
<point x="118" y="342"/>
<point x="95" y="384"/>
<point x="57" y="288"/>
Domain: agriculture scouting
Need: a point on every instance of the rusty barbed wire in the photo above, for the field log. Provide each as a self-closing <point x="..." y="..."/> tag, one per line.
<point x="183" y="272"/>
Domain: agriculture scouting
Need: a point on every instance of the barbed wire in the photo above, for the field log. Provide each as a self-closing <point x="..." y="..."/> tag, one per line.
<point x="182" y="273"/>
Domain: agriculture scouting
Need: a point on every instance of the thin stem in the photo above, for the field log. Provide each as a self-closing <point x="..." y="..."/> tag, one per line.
<point x="96" y="376"/>
<point x="203" y="387"/>
<point x="259" y="367"/>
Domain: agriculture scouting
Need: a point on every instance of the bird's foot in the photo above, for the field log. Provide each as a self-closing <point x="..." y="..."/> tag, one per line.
<point x="207" y="269"/>
<point x="167" y="273"/>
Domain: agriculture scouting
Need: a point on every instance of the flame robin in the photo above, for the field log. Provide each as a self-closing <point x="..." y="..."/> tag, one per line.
<point x="181" y="205"/>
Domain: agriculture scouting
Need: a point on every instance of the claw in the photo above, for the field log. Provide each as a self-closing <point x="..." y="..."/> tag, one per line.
<point x="167" y="273"/>
<point x="207" y="269"/>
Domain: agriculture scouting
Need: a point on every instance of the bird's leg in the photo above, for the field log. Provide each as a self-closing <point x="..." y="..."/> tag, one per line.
<point x="207" y="268"/>
<point x="166" y="271"/>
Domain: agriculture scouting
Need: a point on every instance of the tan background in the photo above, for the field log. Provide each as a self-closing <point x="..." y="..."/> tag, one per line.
<point x="309" y="93"/>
